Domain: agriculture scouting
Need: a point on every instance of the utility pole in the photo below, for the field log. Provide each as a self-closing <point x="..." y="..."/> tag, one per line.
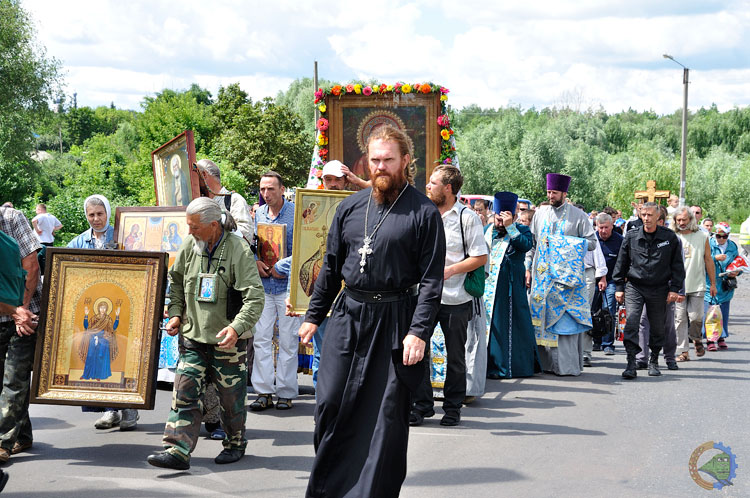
<point x="683" y="153"/>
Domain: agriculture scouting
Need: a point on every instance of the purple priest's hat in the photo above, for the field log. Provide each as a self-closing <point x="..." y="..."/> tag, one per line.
<point x="556" y="181"/>
<point x="505" y="201"/>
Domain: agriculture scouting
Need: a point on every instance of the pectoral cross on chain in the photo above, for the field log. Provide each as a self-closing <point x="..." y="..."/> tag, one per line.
<point x="364" y="251"/>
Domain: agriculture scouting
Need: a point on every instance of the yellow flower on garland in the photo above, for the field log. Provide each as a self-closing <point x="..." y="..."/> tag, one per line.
<point x="357" y="88"/>
<point x="375" y="89"/>
<point x="443" y="98"/>
<point x="406" y="88"/>
<point x="445" y="134"/>
<point x="322" y="108"/>
<point x="322" y="140"/>
<point x="389" y="88"/>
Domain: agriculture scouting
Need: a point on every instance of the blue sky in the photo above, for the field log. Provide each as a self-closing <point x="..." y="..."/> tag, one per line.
<point x="581" y="53"/>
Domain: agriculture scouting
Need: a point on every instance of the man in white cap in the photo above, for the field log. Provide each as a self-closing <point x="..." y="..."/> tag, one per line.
<point x="333" y="176"/>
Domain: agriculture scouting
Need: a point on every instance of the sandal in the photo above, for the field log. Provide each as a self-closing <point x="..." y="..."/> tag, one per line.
<point x="284" y="404"/>
<point x="712" y="346"/>
<point x="263" y="402"/>
<point x="722" y="344"/>
<point x="699" y="349"/>
<point x="684" y="356"/>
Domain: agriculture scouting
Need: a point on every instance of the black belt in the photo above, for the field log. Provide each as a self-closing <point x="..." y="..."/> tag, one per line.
<point x="380" y="296"/>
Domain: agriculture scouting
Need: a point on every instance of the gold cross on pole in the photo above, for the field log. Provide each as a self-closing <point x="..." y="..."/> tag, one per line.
<point x="651" y="194"/>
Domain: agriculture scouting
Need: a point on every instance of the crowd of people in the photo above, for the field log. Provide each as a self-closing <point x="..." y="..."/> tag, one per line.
<point x="511" y="287"/>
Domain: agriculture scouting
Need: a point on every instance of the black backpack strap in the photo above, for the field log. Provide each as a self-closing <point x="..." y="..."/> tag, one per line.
<point x="228" y="201"/>
<point x="461" y="224"/>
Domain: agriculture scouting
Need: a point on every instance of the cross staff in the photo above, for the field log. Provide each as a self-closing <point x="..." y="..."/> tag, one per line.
<point x="651" y="193"/>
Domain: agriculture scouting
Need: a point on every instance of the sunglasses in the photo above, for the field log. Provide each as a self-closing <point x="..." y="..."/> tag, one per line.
<point x="721" y="236"/>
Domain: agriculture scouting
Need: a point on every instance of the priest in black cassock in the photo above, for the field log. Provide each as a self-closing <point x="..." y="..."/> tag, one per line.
<point x="387" y="244"/>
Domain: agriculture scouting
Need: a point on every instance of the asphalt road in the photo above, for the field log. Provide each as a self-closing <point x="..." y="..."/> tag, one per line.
<point x="595" y="435"/>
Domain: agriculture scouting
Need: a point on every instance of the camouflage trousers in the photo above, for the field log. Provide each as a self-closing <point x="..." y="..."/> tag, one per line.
<point x="199" y="365"/>
<point x="16" y="360"/>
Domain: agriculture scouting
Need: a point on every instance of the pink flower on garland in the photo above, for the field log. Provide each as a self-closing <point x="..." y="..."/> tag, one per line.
<point x="349" y="88"/>
<point x="444" y="90"/>
<point x="367" y="90"/>
<point x="322" y="124"/>
<point x="443" y="120"/>
<point x="319" y="94"/>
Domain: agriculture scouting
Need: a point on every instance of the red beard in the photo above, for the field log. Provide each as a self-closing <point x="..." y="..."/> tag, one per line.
<point x="385" y="187"/>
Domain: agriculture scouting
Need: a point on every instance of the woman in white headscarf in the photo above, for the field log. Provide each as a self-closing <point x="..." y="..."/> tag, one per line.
<point x="101" y="234"/>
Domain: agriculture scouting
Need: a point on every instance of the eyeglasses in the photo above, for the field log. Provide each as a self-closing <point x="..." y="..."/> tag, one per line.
<point x="722" y="236"/>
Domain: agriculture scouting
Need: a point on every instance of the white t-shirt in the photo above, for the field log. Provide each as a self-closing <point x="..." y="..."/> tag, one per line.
<point x="453" y="288"/>
<point x="46" y="223"/>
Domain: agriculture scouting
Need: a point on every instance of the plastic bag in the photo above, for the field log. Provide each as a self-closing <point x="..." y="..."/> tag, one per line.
<point x="714" y="323"/>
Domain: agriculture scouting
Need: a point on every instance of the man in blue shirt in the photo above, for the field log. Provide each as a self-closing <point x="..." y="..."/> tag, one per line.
<point x="281" y="212"/>
<point x="610" y="242"/>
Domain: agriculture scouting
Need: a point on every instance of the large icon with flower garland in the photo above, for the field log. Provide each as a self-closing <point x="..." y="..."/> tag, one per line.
<point x="350" y="113"/>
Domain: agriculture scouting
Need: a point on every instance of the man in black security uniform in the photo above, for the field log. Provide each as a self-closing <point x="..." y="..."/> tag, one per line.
<point x="383" y="241"/>
<point x="649" y="271"/>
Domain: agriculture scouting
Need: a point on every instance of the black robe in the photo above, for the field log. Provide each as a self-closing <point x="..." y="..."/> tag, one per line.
<point x="363" y="392"/>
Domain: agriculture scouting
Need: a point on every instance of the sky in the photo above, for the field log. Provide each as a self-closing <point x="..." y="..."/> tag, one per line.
<point x="580" y="53"/>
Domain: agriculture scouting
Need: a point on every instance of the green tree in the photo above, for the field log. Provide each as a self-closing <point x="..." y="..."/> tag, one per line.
<point x="265" y="136"/>
<point x="28" y="80"/>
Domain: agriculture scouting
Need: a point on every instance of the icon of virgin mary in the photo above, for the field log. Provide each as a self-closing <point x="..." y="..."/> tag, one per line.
<point x="99" y="345"/>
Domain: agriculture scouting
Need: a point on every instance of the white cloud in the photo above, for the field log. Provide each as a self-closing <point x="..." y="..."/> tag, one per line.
<point x="489" y="53"/>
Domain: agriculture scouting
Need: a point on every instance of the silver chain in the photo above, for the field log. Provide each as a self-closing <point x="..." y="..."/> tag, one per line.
<point x="365" y="249"/>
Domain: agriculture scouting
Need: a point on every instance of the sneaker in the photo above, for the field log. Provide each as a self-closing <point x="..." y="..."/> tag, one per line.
<point x="218" y="434"/>
<point x="609" y="350"/>
<point x="672" y="365"/>
<point x="586" y="361"/>
<point x="165" y="460"/>
<point x="597" y="347"/>
<point x="108" y="420"/>
<point x="641" y="365"/>
<point x="129" y="419"/>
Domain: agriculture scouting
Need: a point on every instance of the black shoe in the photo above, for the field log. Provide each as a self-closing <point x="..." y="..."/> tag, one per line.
<point x="597" y="347"/>
<point x="451" y="419"/>
<point x="641" y="365"/>
<point x="653" y="364"/>
<point x="3" y="480"/>
<point x="493" y="376"/>
<point x="653" y="369"/>
<point x="416" y="417"/>
<point x="229" y="456"/>
<point x="630" y="370"/>
<point x="166" y="460"/>
<point x="672" y="365"/>
<point x="586" y="361"/>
